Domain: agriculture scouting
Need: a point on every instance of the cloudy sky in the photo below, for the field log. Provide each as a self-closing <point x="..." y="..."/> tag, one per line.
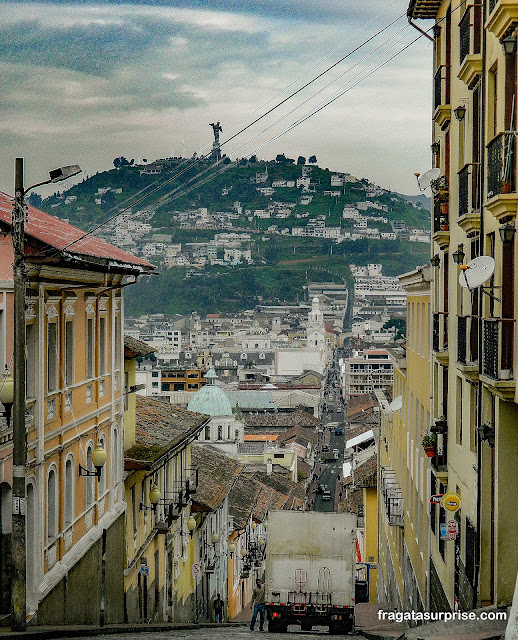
<point x="84" y="82"/>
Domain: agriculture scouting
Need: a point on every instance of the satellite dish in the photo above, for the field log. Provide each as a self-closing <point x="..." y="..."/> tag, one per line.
<point x="476" y="272"/>
<point x="396" y="404"/>
<point x="426" y="179"/>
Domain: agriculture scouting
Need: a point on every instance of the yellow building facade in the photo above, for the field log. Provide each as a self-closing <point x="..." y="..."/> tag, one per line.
<point x="474" y="329"/>
<point x="404" y="473"/>
<point x="74" y="398"/>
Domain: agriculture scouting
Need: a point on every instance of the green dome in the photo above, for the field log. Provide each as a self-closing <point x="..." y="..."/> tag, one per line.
<point x="210" y="399"/>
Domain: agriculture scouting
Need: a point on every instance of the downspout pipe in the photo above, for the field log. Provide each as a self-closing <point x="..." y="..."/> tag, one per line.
<point x="482" y="158"/>
<point x="424" y="33"/>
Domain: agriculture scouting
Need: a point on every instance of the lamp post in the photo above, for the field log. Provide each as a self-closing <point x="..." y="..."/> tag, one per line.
<point x="18" y="552"/>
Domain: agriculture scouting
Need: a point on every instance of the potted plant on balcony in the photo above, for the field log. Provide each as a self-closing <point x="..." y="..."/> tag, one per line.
<point x="441" y="194"/>
<point x="429" y="442"/>
<point x="440" y="425"/>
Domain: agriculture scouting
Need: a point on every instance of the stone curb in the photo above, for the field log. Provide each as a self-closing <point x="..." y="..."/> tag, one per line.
<point x="74" y="632"/>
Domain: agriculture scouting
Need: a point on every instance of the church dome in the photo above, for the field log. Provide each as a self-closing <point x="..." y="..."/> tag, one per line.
<point x="210" y="399"/>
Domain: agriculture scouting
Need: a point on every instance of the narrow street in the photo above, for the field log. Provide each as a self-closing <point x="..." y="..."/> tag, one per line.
<point x="232" y="633"/>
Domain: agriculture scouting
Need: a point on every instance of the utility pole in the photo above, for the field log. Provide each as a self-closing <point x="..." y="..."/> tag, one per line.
<point x="19" y="562"/>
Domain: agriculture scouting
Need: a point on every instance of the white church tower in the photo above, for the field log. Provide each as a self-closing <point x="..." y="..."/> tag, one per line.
<point x="315" y="331"/>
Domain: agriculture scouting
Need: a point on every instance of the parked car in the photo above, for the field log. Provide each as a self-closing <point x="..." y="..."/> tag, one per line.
<point x="339" y="431"/>
<point x="325" y="447"/>
<point x="339" y="410"/>
<point x="326" y="495"/>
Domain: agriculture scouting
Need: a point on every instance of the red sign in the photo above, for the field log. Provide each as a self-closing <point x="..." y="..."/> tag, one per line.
<point x="436" y="499"/>
<point x="453" y="529"/>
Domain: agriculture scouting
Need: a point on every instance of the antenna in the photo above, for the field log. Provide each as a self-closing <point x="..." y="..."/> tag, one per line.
<point x="476" y="272"/>
<point x="396" y="404"/>
<point x="424" y="181"/>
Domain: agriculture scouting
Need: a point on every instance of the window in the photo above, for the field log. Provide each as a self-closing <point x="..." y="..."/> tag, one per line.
<point x="52" y="356"/>
<point x="117" y="343"/>
<point x="116" y="459"/>
<point x="69" y="352"/>
<point x="29" y="361"/>
<point x="90" y="344"/>
<point x="102" y="480"/>
<point x="192" y="375"/>
<point x="52" y="507"/>
<point x="89" y="479"/>
<point x="278" y="455"/>
<point x="165" y="386"/>
<point x="220" y="432"/>
<point x="154" y="374"/>
<point x="261" y="356"/>
<point x="155" y="385"/>
<point x="207" y="432"/>
<point x="134" y="511"/>
<point x="102" y="346"/>
<point x="69" y="492"/>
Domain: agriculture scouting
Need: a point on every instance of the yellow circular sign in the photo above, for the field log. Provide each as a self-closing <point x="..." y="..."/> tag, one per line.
<point x="450" y="502"/>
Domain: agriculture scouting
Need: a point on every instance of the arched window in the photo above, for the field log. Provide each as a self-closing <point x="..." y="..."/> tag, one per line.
<point x="243" y="356"/>
<point x="228" y="432"/>
<point x="220" y="432"/>
<point x="52" y="506"/>
<point x="236" y="435"/>
<point x="207" y="432"/>
<point x="89" y="479"/>
<point x="69" y="492"/>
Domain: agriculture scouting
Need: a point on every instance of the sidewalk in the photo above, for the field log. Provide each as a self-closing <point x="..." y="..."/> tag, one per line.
<point x="74" y="631"/>
<point x="369" y="626"/>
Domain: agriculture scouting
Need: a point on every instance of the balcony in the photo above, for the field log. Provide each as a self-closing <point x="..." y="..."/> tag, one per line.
<point x="502" y="15"/>
<point x="501" y="176"/>
<point x="469" y="198"/>
<point x="441" y="93"/>
<point x="470" y="45"/>
<point x="393" y="499"/>
<point x="467" y="346"/>
<point x="441" y="227"/>
<point x="440" y="337"/>
<point x="497" y="356"/>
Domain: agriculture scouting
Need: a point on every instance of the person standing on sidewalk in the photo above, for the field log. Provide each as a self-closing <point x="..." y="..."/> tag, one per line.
<point x="218" y="609"/>
<point x="258" y="605"/>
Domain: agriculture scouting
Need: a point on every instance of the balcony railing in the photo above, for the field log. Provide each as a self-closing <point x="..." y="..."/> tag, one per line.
<point x="470" y="31"/>
<point x="498" y="338"/>
<point x="464" y="34"/>
<point x="467" y="340"/>
<point x="500" y="165"/>
<point x="469" y="189"/>
<point x="440" y="332"/>
<point x="392" y="497"/>
<point x="437" y="88"/>
<point x="437" y="218"/>
<point x="462" y="351"/>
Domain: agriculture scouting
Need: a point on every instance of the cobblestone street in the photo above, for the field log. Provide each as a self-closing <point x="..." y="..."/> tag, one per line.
<point x="232" y="633"/>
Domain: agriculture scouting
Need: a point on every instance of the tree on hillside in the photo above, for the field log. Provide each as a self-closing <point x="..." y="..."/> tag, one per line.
<point x="312" y="160"/>
<point x="301" y="160"/>
<point x="121" y="162"/>
<point x="280" y="158"/>
<point x="252" y="158"/>
<point x="399" y="323"/>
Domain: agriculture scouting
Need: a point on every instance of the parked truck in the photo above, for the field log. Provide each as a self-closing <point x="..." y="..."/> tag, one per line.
<point x="310" y="570"/>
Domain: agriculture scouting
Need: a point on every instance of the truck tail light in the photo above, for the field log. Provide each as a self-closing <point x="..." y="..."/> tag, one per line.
<point x="275" y="614"/>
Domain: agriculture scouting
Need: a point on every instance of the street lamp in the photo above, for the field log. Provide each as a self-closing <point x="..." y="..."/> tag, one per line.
<point x="459" y="255"/>
<point x="191" y="524"/>
<point x="435" y="260"/>
<point x="506" y="232"/>
<point x="460" y="112"/>
<point x="98" y="460"/>
<point x="214" y="538"/>
<point x="6" y="395"/>
<point x="154" y="498"/>
<point x="509" y="45"/>
<point x="18" y="549"/>
<point x="231" y="549"/>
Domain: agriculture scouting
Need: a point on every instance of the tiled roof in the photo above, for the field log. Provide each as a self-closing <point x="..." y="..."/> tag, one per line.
<point x="250" y="448"/>
<point x="298" y="434"/>
<point x="255" y="493"/>
<point x="216" y="475"/>
<point x="352" y="432"/>
<point x="134" y="348"/>
<point x="288" y="419"/>
<point x="360" y="403"/>
<point x="366" y="473"/>
<point x="424" y="9"/>
<point x="160" y="427"/>
<point x="53" y="232"/>
<point x="261" y="437"/>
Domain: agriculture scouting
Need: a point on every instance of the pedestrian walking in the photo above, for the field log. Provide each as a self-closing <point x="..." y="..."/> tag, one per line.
<point x="258" y="605"/>
<point x="218" y="609"/>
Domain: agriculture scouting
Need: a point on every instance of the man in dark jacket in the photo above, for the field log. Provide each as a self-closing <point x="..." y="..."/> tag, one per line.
<point x="258" y="605"/>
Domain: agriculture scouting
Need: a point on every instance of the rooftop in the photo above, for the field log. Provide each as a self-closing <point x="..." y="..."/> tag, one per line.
<point x="216" y="475"/>
<point x="134" y="348"/>
<point x="160" y="427"/>
<point x="288" y="420"/>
